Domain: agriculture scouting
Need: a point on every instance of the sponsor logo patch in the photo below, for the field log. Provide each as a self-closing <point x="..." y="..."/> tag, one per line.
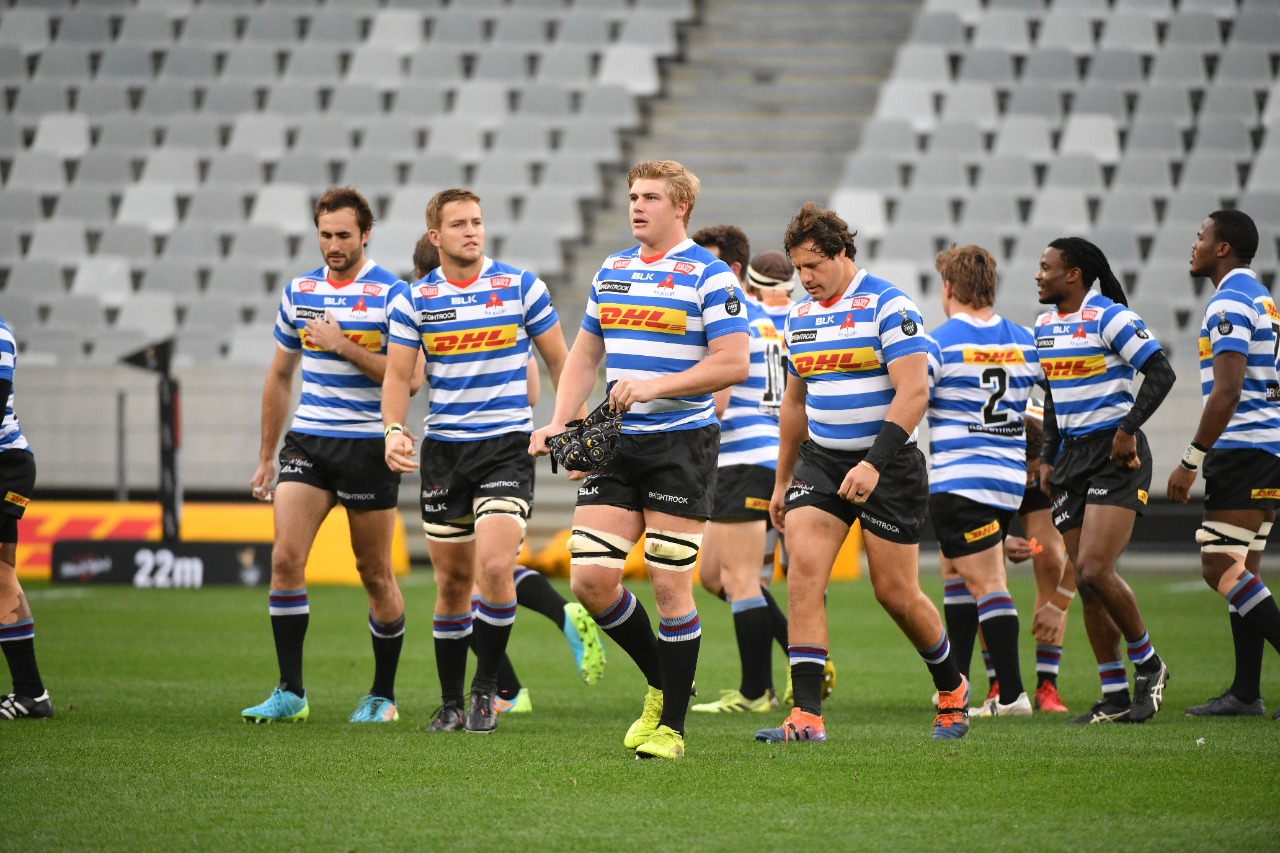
<point x="1074" y="368"/>
<point x="684" y="267"/>
<point x="1271" y="310"/>
<point x="1206" y="349"/>
<point x="302" y="312"/>
<point x="307" y="286"/>
<point x="669" y="282"/>
<point x="1142" y="496"/>
<point x="982" y="532"/>
<point x="804" y="309"/>
<point x="804" y="337"/>
<point x="1089" y="315"/>
<point x="859" y="302"/>
<point x="667" y="321"/>
<point x="475" y="340"/>
<point x="1256" y="494"/>
<point x="836" y="361"/>
<point x="427" y="291"/>
<point x="17" y="499"/>
<point x="756" y="503"/>
<point x="1045" y="343"/>
<point x="499" y="282"/>
<point x="1225" y="326"/>
<point x="370" y="339"/>
<point x="615" y="287"/>
<point x="372" y="290"/>
<point x="622" y="264"/>
<point x="437" y="316"/>
<point x="994" y="356"/>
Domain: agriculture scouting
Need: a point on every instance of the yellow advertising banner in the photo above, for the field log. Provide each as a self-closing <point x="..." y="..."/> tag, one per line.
<point x="44" y="522"/>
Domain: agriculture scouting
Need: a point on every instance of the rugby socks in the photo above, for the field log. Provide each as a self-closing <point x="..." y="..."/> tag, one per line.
<point x="452" y="638"/>
<point x="961" y="611"/>
<point x="19" y="643"/>
<point x="627" y="624"/>
<point x="807" y="663"/>
<point x="1115" y="684"/>
<point x="1143" y="655"/>
<point x="1249" y="645"/>
<point x="508" y="683"/>
<point x="492" y="629"/>
<point x="751" y="624"/>
<point x="535" y="592"/>
<point x="942" y="665"/>
<point x="999" y="620"/>
<point x="388" y="639"/>
<point x="777" y="619"/>
<point x="681" y="639"/>
<point x="290" y="614"/>
<point x="988" y="666"/>
<point x="1253" y="601"/>
<point x="1048" y="660"/>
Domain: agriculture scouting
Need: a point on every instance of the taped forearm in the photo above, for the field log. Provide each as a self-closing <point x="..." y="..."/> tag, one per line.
<point x="1158" y="378"/>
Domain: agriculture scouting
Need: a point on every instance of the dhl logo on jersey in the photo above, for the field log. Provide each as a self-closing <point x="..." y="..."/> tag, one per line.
<point x="982" y="532"/>
<point x="757" y="504"/>
<point x="1074" y="368"/>
<point x="994" y="356"/>
<point x="768" y="331"/>
<point x="1206" y="349"/>
<point x="836" y="361"/>
<point x="666" y="321"/>
<point x="1265" y="494"/>
<point x="19" y="500"/>
<point x="1271" y="310"/>
<point x="370" y="339"/>
<point x="475" y="340"/>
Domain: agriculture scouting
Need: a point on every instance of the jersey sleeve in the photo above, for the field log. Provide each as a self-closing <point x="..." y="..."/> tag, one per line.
<point x="1127" y="335"/>
<point x="539" y="314"/>
<point x="8" y="353"/>
<point x="591" y="317"/>
<point x="900" y="325"/>
<point x="1230" y="324"/>
<point x="402" y="325"/>
<point x="286" y="332"/>
<point x="934" y="354"/>
<point x="723" y="308"/>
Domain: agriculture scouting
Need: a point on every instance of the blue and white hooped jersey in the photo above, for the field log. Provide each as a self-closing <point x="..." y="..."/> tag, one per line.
<point x="842" y="350"/>
<point x="749" y="428"/>
<point x="476" y="337"/>
<point x="1089" y="357"/>
<point x="337" y="399"/>
<point x="981" y="373"/>
<point x="11" y="437"/>
<point x="1241" y="317"/>
<point x="657" y="317"/>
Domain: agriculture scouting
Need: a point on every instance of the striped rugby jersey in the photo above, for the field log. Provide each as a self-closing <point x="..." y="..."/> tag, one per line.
<point x="11" y="437"/>
<point x="657" y="317"/>
<point x="749" y="428"/>
<point x="337" y="399"/>
<point x="1089" y="357"/>
<point x="981" y="373"/>
<point x="1241" y="317"/>
<point x="842" y="351"/>
<point x="476" y="336"/>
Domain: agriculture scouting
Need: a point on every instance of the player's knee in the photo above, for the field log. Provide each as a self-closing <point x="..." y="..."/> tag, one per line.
<point x="590" y="547"/>
<point x="449" y="531"/>
<point x="515" y="509"/>
<point x="671" y="549"/>
<point x="595" y="589"/>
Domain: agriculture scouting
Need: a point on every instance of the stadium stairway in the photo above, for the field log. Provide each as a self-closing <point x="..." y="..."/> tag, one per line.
<point x="763" y="108"/>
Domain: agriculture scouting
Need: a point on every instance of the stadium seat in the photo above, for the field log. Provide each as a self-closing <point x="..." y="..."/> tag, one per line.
<point x="240" y="170"/>
<point x="140" y="27"/>
<point x="101" y="97"/>
<point x="186" y="61"/>
<point x="532" y="250"/>
<point x="634" y="68"/>
<point x="940" y="173"/>
<point x="1092" y="134"/>
<point x="337" y="26"/>
<point x="1152" y="136"/>
<point x="1102" y="100"/>
<point x="389" y="136"/>
<point x="180" y="278"/>
<point x="943" y="28"/>
<point x="1198" y="31"/>
<point x="1026" y="135"/>
<point x="987" y="65"/>
<point x="1229" y="101"/>
<point x="67" y="63"/>
<point x="89" y="204"/>
<point x="1189" y="207"/>
<point x="1117" y="66"/>
<point x="21" y="314"/>
<point x="1062" y="32"/>
<point x="1159" y="9"/>
<point x="1165" y="102"/>
<point x="1120" y="245"/>
<point x="353" y="102"/>
<point x="287" y="206"/>
<point x="371" y="174"/>
<point x="1064" y="209"/>
<point x="251" y="61"/>
<point x="229" y="98"/>
<point x="109" y="278"/>
<point x="303" y="167"/>
<point x="1037" y="100"/>
<point x="992" y="209"/>
<point x="1012" y="172"/>
<point x="525" y="138"/>
<point x="251" y="347"/>
<point x="864" y="210"/>
<point x="147" y="316"/>
<point x="219" y="207"/>
<point x="198" y="132"/>
<point x="973" y="102"/>
<point x="485" y="103"/>
<point x="554" y="104"/>
<point x="500" y="66"/>
<point x="923" y="63"/>
<point x="211" y="26"/>
<point x="83" y="311"/>
<point x="211" y="312"/>
<point x="437" y="169"/>
<point x="1147" y="174"/>
<point x="39" y="280"/>
<point x="194" y="242"/>
<point x="259" y="133"/>
<point x="238" y="280"/>
<point x="318" y="136"/>
<point x="1259" y="27"/>
<point x="1219" y="8"/>
<point x="1248" y="64"/>
<point x="398" y="30"/>
<point x="313" y="65"/>
<point x="1130" y="31"/>
<point x="27" y="29"/>
<point x="1181" y="66"/>
<point x="1002" y="28"/>
<point x="906" y="244"/>
<point x="274" y="26"/>
<point x="1224" y="137"/>
<point x="909" y="101"/>
<point x="20" y="206"/>
<point x="555" y="212"/>
<point x="574" y="175"/>
<point x="38" y="97"/>
<point x="1051" y="66"/>
<point x="1121" y="208"/>
<point x="42" y="171"/>
<point x="373" y="63"/>
<point x="895" y="138"/>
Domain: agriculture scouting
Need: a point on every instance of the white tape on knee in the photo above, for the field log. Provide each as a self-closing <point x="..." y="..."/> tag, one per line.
<point x="590" y="547"/>
<point x="671" y="550"/>
<point x="1259" y="542"/>
<point x="494" y="507"/>
<point x="1218" y="537"/>
<point x="449" y="531"/>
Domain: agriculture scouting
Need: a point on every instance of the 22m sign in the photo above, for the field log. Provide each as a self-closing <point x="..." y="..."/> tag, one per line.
<point x="472" y="341"/>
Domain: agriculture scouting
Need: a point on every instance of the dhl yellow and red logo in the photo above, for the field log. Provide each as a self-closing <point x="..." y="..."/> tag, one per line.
<point x="836" y="361"/>
<point x="47" y="521"/>
<point x="982" y="532"/>
<point x="1206" y="349"/>
<point x="994" y="356"/>
<point x="1074" y="368"/>
<point x="1271" y="310"/>
<point x="17" y="499"/>
<point x="667" y="321"/>
<point x="768" y="331"/>
<point x="370" y="339"/>
<point x="476" y="340"/>
<point x="1142" y="496"/>
<point x="1265" y="494"/>
<point x="757" y="503"/>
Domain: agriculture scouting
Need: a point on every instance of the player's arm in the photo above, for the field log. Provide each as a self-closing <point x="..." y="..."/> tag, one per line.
<point x="793" y="428"/>
<point x="728" y="364"/>
<point x="1050" y="441"/>
<point x="402" y="363"/>
<point x="577" y="378"/>
<point x="532" y="381"/>
<point x="329" y="337"/>
<point x="555" y="352"/>
<point x="1157" y="378"/>
<point x="1219" y="406"/>
<point x="909" y="375"/>
<point x="276" y="393"/>
<point x="721" y="401"/>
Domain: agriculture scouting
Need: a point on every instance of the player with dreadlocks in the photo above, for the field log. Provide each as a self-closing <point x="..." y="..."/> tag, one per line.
<point x="1095" y="462"/>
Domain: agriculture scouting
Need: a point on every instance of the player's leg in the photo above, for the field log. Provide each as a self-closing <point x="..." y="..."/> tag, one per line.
<point x="371" y="535"/>
<point x="451" y="547"/>
<point x="500" y="524"/>
<point x="1104" y="639"/>
<point x="960" y="609"/>
<point x="534" y="591"/>
<point x="1056" y="585"/>
<point x="299" y="508"/>
<point x="29" y="698"/>
<point x="774" y="544"/>
<point x="984" y="574"/>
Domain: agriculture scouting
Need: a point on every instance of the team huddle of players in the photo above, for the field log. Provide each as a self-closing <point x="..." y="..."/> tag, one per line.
<point x="743" y="410"/>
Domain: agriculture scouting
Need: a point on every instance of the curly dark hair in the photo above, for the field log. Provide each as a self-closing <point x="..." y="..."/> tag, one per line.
<point x="824" y="228"/>
<point x="729" y="239"/>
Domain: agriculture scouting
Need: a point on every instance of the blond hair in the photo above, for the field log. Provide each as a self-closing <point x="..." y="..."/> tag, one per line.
<point x="972" y="273"/>
<point x="435" y="207"/>
<point x="682" y="185"/>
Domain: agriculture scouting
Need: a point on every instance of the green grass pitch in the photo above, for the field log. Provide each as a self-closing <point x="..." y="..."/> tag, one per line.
<point x="147" y="751"/>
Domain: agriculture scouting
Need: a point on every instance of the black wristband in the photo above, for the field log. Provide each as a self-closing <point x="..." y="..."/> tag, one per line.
<point x="888" y="442"/>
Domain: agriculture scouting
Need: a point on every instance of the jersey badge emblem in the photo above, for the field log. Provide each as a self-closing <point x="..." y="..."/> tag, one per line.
<point x="1224" y="325"/>
<point x="909" y="326"/>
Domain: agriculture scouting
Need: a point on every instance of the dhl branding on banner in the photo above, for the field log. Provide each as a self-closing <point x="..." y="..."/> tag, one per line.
<point x="45" y="522"/>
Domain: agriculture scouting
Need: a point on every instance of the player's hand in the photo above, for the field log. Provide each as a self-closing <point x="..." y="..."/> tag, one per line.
<point x="326" y="335"/>
<point x="778" y="508"/>
<point x="577" y="475"/>
<point x="627" y="392"/>
<point x="1018" y="549"/>
<point x="859" y="483"/>
<point x="1180" y="480"/>
<point x="1124" y="450"/>
<point x="398" y="453"/>
<point x="538" y="439"/>
<point x="1046" y="625"/>
<point x="261" y="482"/>
<point x="1046" y="471"/>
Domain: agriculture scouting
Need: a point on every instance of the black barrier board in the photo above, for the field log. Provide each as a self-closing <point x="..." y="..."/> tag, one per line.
<point x="161" y="565"/>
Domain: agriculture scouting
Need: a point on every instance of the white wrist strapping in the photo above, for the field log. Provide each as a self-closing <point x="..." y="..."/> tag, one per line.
<point x="1192" y="456"/>
<point x="1049" y="605"/>
<point x="1066" y="593"/>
